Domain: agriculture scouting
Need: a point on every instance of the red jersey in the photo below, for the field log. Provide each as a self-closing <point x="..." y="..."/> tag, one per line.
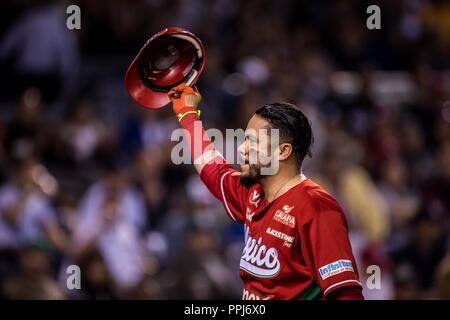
<point x="296" y="247"/>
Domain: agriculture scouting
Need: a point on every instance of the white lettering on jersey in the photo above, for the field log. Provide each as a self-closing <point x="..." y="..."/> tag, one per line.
<point x="248" y="295"/>
<point x="284" y="217"/>
<point x="258" y="260"/>
<point x="249" y="214"/>
<point x="281" y="235"/>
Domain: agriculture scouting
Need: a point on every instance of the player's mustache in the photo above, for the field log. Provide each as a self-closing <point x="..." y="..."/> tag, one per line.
<point x="255" y="157"/>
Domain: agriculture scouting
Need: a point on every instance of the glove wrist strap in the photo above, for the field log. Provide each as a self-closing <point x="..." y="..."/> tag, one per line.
<point x="182" y="115"/>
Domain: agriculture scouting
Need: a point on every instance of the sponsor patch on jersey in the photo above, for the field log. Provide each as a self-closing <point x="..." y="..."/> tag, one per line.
<point x="254" y="198"/>
<point x="284" y="217"/>
<point x="249" y="214"/>
<point x="281" y="235"/>
<point x="335" y="268"/>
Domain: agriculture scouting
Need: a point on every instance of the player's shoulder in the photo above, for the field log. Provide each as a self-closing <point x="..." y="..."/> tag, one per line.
<point x="317" y="197"/>
<point x="315" y="202"/>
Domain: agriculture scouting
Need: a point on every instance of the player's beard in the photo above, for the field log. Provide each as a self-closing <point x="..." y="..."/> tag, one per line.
<point x="251" y="177"/>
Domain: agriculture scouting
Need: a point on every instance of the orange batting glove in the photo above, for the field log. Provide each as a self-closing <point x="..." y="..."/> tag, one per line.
<point x="185" y="100"/>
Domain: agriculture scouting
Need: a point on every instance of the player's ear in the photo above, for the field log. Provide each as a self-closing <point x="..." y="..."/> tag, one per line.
<point x="285" y="151"/>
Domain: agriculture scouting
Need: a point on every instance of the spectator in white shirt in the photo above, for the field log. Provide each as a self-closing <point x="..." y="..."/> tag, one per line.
<point x="112" y="217"/>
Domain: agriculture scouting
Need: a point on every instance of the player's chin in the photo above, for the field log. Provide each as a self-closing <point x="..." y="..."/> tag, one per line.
<point x="249" y="175"/>
<point x="247" y="180"/>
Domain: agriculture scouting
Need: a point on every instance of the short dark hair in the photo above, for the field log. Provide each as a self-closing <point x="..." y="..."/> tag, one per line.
<point x="294" y="126"/>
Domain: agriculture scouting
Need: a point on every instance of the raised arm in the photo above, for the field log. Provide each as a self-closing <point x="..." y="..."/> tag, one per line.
<point x="185" y="102"/>
<point x="219" y="176"/>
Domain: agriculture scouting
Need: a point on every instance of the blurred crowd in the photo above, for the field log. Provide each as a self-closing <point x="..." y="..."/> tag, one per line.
<point x="86" y="176"/>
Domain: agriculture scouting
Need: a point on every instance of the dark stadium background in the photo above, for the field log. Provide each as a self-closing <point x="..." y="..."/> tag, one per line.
<point x="86" y="176"/>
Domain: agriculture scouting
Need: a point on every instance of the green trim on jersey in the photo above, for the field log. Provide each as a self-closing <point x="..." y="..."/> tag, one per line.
<point x="313" y="292"/>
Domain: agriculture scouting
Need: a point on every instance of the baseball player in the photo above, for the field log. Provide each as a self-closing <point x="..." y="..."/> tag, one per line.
<point x="296" y="234"/>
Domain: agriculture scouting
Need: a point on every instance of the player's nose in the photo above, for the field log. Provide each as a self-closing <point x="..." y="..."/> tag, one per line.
<point x="243" y="150"/>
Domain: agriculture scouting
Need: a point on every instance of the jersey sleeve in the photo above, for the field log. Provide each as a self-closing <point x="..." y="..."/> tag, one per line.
<point x="327" y="251"/>
<point x="225" y="186"/>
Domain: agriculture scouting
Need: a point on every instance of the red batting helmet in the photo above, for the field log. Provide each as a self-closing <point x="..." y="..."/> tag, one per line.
<point x="169" y="58"/>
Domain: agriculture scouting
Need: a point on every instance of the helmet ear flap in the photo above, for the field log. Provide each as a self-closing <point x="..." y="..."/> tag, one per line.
<point x="171" y="57"/>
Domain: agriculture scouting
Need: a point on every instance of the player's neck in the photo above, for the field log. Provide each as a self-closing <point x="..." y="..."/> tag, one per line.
<point x="276" y="185"/>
